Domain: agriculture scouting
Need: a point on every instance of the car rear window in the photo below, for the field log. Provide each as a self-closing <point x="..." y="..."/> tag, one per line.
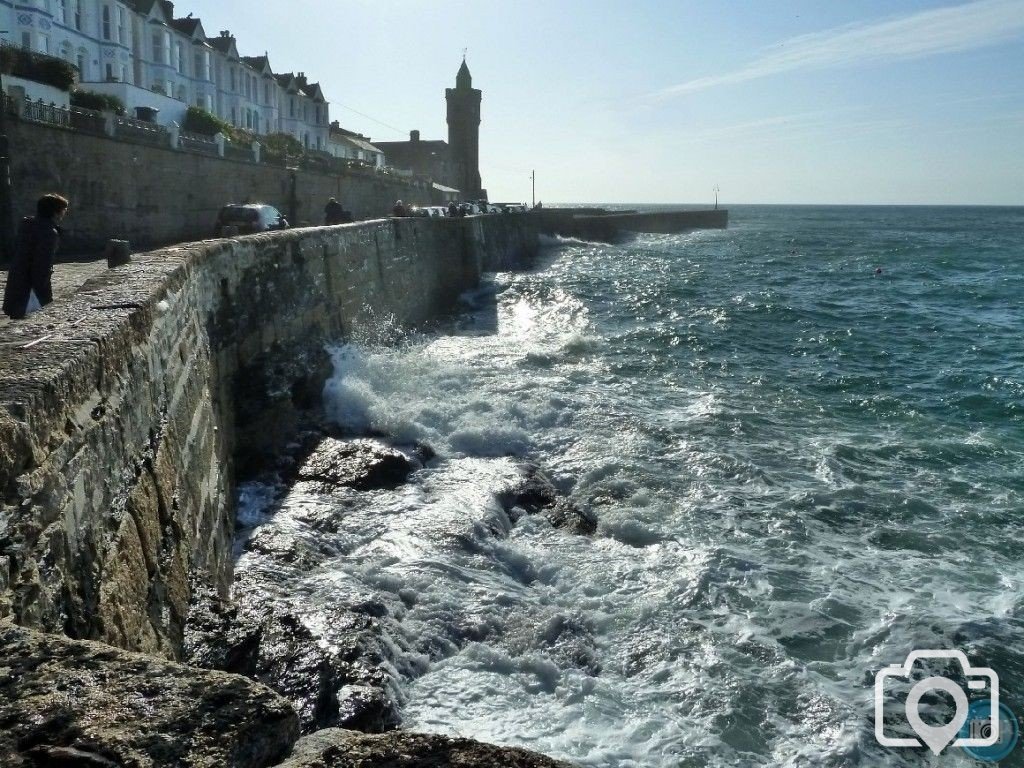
<point x="237" y="213"/>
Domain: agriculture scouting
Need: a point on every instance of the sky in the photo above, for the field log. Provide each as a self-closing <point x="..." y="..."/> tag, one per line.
<point x="660" y="101"/>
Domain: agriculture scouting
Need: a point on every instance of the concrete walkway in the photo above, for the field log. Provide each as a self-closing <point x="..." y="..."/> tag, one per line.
<point x="68" y="277"/>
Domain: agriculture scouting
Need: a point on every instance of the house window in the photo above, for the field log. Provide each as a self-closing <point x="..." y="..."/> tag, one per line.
<point x="62" y="12"/>
<point x="83" y="62"/>
<point x="180" y="58"/>
<point x="291" y="108"/>
<point x="158" y="47"/>
<point x="106" y="22"/>
<point x="110" y="73"/>
<point x="234" y="116"/>
<point x="122" y="27"/>
<point x="26" y="40"/>
<point x="234" y="80"/>
<point x="76" y="5"/>
<point x="266" y="93"/>
<point x="124" y="73"/>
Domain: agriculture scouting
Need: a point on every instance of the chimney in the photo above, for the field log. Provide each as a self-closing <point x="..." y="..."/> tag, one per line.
<point x="414" y="136"/>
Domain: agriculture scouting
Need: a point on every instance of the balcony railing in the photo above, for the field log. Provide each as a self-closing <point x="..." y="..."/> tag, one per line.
<point x="141" y="131"/>
<point x="88" y="121"/>
<point x="194" y="142"/>
<point x="51" y="114"/>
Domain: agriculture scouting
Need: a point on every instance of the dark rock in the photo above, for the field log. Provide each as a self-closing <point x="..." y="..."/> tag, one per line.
<point x="88" y="705"/>
<point x="334" y="683"/>
<point x="364" y="465"/>
<point x="568" y="515"/>
<point x="349" y="749"/>
<point x="533" y="493"/>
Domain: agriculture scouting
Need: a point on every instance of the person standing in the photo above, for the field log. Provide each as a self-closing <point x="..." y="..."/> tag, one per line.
<point x="399" y="209"/>
<point x="334" y="213"/>
<point x="28" y="281"/>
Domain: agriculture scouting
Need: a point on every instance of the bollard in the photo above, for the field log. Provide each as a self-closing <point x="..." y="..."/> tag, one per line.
<point x="118" y="253"/>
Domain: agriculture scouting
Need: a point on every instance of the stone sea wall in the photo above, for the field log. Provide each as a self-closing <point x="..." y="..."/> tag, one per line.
<point x="152" y="195"/>
<point x="610" y="227"/>
<point x="122" y="425"/>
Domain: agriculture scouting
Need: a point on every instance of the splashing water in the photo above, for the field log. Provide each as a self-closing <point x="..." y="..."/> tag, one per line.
<point x="802" y="471"/>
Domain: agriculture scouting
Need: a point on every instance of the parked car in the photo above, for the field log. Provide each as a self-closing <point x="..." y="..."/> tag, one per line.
<point x="250" y="218"/>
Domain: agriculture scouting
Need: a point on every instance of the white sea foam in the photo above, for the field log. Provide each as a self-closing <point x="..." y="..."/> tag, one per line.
<point x="780" y="515"/>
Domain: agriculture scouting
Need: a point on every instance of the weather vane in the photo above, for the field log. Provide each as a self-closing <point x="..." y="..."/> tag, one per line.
<point x="464" y="52"/>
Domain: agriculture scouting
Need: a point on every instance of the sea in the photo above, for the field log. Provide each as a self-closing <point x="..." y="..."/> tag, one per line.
<point x="803" y="441"/>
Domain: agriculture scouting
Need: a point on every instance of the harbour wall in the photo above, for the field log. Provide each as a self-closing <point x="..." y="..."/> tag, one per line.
<point x="154" y="195"/>
<point x="609" y="227"/>
<point x="125" y="410"/>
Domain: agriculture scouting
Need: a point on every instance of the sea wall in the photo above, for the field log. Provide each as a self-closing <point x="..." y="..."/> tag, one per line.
<point x="608" y="227"/>
<point x="153" y="195"/>
<point x="121" y="426"/>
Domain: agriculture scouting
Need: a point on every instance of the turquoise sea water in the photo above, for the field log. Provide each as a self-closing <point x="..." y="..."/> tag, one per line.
<point x="803" y="470"/>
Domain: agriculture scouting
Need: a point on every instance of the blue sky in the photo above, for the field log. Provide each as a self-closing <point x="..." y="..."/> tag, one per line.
<point x="776" y="101"/>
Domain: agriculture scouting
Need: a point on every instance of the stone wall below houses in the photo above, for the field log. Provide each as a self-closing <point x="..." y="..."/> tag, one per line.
<point x="152" y="195"/>
<point x="120" y="426"/>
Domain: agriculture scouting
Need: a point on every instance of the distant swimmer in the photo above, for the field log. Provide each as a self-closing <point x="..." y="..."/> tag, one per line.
<point x="878" y="271"/>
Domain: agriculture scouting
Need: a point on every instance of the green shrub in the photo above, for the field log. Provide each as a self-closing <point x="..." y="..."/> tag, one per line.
<point x="283" y="144"/>
<point x="100" y="102"/>
<point x="38" y="68"/>
<point x="198" y="120"/>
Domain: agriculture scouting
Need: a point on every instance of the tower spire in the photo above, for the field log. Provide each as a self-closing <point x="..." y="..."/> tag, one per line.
<point x="464" y="81"/>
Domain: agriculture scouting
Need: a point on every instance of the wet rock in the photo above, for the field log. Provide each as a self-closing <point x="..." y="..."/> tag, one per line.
<point x="330" y="684"/>
<point x="88" y="705"/>
<point x="348" y="749"/>
<point x="364" y="465"/>
<point x="568" y="515"/>
<point x="533" y="493"/>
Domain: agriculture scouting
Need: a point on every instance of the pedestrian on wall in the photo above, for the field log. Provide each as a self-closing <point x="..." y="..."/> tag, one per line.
<point x="453" y="210"/>
<point x="28" y="281"/>
<point x="335" y="213"/>
<point x="399" y="209"/>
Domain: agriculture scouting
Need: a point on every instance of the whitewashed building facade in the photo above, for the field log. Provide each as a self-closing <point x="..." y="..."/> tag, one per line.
<point x="138" y="51"/>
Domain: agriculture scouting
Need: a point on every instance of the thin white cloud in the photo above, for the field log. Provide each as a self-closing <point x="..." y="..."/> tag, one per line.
<point x="943" y="30"/>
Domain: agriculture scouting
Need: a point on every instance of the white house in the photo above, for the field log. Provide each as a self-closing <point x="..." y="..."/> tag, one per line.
<point x="353" y="146"/>
<point x="138" y="51"/>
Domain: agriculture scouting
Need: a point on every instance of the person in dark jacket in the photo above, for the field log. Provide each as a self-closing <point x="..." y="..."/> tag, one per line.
<point x="399" y="209"/>
<point x="335" y="213"/>
<point x="28" y="281"/>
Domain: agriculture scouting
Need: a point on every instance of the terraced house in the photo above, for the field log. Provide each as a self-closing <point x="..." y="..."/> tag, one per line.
<point x="159" y="65"/>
